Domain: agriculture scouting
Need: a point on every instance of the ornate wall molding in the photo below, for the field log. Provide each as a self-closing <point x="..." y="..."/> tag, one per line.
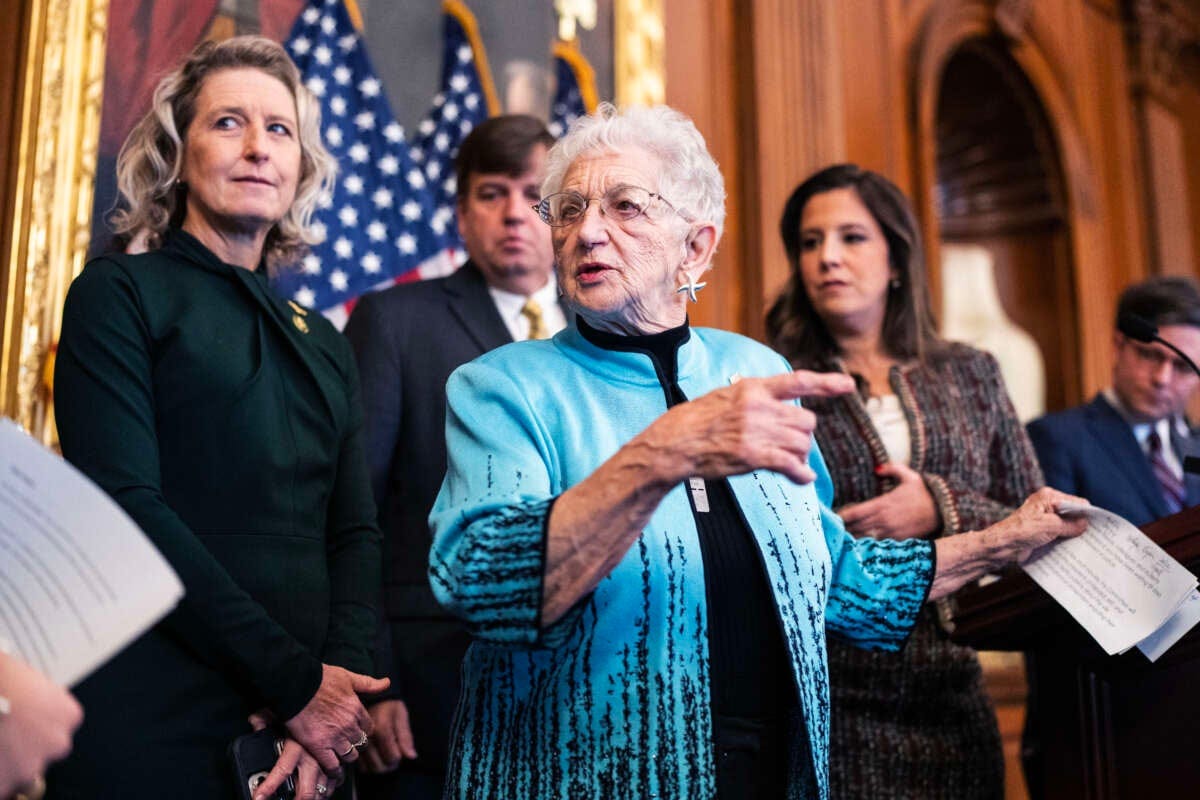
<point x="1159" y="30"/>
<point x="639" y="65"/>
<point x="61" y="93"/>
<point x="1012" y="17"/>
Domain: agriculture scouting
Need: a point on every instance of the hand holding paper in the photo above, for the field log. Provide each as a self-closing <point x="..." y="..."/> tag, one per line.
<point x="1114" y="580"/>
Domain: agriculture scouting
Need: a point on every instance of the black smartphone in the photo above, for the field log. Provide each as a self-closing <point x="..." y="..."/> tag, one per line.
<point x="253" y="756"/>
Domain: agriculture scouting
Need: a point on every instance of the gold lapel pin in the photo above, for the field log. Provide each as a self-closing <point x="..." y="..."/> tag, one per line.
<point x="298" y="317"/>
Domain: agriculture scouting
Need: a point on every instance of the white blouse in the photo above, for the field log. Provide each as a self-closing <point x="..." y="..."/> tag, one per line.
<point x="887" y="416"/>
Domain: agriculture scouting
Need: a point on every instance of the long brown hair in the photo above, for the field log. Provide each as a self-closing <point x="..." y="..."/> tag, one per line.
<point x="794" y="327"/>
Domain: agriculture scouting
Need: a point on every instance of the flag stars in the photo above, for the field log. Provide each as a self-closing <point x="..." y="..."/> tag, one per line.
<point x="450" y="185"/>
<point x="370" y="87"/>
<point x="382" y="198"/>
<point x="312" y="265"/>
<point x="311" y="15"/>
<point x="305" y="297"/>
<point x="393" y="132"/>
<point x="406" y="243"/>
<point x="323" y="55"/>
<point x="301" y="45"/>
<point x="319" y="231"/>
<point x="348" y="42"/>
<point x="426" y="127"/>
<point x="459" y="82"/>
<point x="377" y="231"/>
<point x="316" y="85"/>
<point x="450" y="112"/>
<point x="348" y="216"/>
<point x="353" y="184"/>
<point x="337" y="104"/>
<point x="371" y="263"/>
<point x="328" y="24"/>
<point x="471" y="101"/>
<point x="464" y="53"/>
<point x="434" y="170"/>
<point x="342" y="74"/>
<point x="343" y="247"/>
<point x="338" y="280"/>
<point x="365" y="121"/>
<point x="411" y="210"/>
<point x="389" y="165"/>
<point x="415" y="179"/>
<point x="333" y="135"/>
<point x="325" y="200"/>
<point x="359" y="153"/>
<point x="441" y="142"/>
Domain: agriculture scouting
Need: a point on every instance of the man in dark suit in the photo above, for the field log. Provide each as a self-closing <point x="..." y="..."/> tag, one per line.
<point x="1124" y="450"/>
<point x="408" y="339"/>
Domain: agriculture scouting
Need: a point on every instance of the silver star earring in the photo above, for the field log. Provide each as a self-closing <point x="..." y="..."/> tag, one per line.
<point x="691" y="287"/>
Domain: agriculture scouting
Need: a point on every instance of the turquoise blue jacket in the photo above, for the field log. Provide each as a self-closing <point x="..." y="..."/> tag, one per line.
<point x="612" y="700"/>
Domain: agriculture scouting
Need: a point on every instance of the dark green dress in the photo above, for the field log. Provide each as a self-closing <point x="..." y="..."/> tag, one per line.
<point x="227" y="423"/>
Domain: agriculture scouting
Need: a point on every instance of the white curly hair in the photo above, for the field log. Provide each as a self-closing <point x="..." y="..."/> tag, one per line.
<point x="690" y="179"/>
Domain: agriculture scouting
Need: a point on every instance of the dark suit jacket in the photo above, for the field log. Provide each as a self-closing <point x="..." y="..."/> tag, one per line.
<point x="1091" y="451"/>
<point x="408" y="339"/>
<point x="228" y="425"/>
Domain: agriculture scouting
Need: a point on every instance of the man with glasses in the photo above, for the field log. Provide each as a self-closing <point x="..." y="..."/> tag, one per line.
<point x="1124" y="450"/>
<point x="408" y="339"/>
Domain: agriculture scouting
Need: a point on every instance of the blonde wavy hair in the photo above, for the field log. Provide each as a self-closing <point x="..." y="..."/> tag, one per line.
<point x="151" y="160"/>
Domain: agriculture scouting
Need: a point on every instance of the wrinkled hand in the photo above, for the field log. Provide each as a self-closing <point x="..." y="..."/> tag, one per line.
<point x="334" y="720"/>
<point x="904" y="512"/>
<point x="38" y="728"/>
<point x="1036" y="523"/>
<point x="747" y="426"/>
<point x="392" y="740"/>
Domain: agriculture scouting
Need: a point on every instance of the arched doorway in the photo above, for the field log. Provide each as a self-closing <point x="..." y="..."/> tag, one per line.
<point x="1000" y="186"/>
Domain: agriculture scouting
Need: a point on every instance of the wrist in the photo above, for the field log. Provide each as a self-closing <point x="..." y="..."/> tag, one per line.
<point x="654" y="465"/>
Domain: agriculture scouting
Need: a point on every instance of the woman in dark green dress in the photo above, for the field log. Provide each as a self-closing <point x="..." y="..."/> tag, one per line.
<point x="227" y="423"/>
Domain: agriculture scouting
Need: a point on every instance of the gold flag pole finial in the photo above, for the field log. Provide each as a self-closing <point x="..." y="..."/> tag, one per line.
<point x="574" y="14"/>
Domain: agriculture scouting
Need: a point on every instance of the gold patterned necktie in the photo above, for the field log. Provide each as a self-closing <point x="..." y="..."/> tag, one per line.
<point x="537" y="324"/>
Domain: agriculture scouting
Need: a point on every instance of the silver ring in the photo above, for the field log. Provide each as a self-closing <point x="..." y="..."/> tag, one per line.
<point x="348" y="752"/>
<point x="322" y="789"/>
<point x="361" y="741"/>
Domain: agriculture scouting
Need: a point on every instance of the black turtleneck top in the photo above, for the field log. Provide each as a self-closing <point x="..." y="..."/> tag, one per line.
<point x="748" y="664"/>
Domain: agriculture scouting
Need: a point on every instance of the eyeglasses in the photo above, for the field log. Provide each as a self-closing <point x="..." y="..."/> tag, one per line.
<point x="1155" y="357"/>
<point x="622" y="203"/>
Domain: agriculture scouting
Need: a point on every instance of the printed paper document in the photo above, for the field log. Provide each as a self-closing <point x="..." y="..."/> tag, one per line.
<point x="78" y="579"/>
<point x="1113" y="579"/>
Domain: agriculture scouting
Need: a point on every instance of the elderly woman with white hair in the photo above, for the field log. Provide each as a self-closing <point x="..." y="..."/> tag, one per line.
<point x="634" y="523"/>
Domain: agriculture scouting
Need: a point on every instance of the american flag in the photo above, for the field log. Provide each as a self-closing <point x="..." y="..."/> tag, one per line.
<point x="378" y="223"/>
<point x="575" y="88"/>
<point x="466" y="98"/>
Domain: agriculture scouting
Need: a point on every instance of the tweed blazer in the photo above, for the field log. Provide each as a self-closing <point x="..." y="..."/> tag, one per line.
<point x="918" y="723"/>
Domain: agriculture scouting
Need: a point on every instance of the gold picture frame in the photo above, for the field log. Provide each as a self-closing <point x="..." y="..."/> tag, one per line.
<point x="57" y="142"/>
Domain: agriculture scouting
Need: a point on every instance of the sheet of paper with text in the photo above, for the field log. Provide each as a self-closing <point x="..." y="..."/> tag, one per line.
<point x="78" y="579"/>
<point x="1113" y="579"/>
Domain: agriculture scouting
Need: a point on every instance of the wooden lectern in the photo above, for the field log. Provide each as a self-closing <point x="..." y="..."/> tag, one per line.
<point x="1101" y="727"/>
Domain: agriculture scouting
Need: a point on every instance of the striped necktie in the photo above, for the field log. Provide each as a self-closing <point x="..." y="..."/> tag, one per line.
<point x="537" y="323"/>
<point x="1171" y="485"/>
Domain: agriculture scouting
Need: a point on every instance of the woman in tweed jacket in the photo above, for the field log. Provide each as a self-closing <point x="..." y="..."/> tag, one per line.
<point x="929" y="446"/>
